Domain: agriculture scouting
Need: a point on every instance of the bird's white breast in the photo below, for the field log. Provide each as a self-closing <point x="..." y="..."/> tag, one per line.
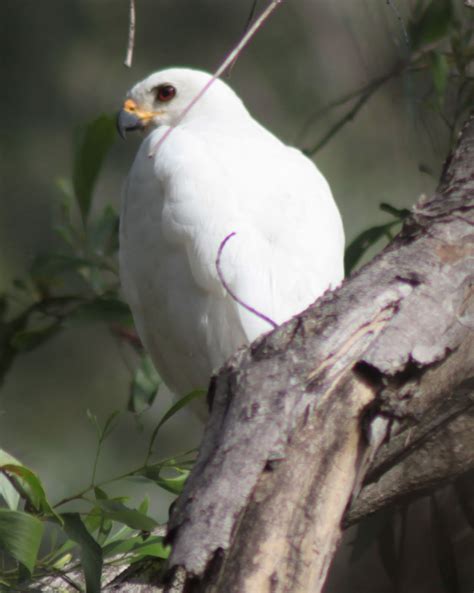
<point x="203" y="183"/>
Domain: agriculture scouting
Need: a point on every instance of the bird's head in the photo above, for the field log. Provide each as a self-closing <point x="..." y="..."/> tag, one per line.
<point x="163" y="97"/>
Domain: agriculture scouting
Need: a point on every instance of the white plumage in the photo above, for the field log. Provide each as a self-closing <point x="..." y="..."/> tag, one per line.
<point x="217" y="172"/>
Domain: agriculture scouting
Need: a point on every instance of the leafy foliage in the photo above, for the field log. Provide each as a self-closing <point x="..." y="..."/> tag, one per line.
<point x="108" y="528"/>
<point x="362" y="242"/>
<point x="107" y="531"/>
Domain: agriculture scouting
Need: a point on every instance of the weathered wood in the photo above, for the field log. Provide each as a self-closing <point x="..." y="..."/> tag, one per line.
<point x="286" y="444"/>
<point x="298" y="417"/>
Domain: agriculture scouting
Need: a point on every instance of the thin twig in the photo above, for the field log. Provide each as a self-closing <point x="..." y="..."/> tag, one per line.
<point x="225" y="64"/>
<point x="395" y="10"/>
<point x="320" y="112"/>
<point x="231" y="292"/>
<point x="253" y="9"/>
<point x="131" y="35"/>
<point x="367" y="92"/>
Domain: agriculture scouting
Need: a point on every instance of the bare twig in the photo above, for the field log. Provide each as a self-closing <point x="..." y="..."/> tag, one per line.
<point x="131" y="35"/>
<point x="396" y="12"/>
<point x="231" y="57"/>
<point x="365" y="94"/>
<point x="246" y="28"/>
<point x="231" y="292"/>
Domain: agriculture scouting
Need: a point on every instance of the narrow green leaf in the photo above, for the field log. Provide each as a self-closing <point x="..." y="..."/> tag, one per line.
<point x="174" y="484"/>
<point x="144" y="505"/>
<point x="157" y="550"/>
<point x="95" y="423"/>
<point x="109" y="427"/>
<point x="400" y="213"/>
<point x="117" y="511"/>
<point x="356" y="249"/>
<point x="132" y="543"/>
<point x="432" y="25"/>
<point x="7" y="491"/>
<point x="100" y="494"/>
<point x="439" y="72"/>
<point x="20" y="536"/>
<point x="28" y="484"/>
<point x="184" y="401"/>
<point x="144" y="386"/>
<point x="91" y="552"/>
<point x="93" y="144"/>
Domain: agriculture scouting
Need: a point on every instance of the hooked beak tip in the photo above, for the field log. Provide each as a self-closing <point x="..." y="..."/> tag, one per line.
<point x="127" y="121"/>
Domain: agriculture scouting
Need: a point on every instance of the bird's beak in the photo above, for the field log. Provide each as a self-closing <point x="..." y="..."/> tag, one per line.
<point x="131" y="117"/>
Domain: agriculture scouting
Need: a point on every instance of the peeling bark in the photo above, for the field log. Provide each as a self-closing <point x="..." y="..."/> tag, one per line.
<point x="364" y="400"/>
<point x="297" y="418"/>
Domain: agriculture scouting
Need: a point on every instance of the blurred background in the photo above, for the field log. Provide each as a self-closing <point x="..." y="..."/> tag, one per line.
<point x="62" y="66"/>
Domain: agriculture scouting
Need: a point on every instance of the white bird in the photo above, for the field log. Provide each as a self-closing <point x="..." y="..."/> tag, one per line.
<point x="217" y="172"/>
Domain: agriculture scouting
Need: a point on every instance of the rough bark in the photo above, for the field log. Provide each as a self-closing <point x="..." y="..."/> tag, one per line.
<point x="364" y="400"/>
<point x="297" y="417"/>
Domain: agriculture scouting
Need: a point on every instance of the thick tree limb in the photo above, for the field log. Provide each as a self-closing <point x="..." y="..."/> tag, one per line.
<point x="297" y="417"/>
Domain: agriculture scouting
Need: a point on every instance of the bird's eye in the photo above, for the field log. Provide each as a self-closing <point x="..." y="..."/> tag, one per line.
<point x="165" y="92"/>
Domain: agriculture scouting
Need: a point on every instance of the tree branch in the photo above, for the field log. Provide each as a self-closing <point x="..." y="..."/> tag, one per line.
<point x="131" y="35"/>
<point x="373" y="386"/>
<point x="297" y="417"/>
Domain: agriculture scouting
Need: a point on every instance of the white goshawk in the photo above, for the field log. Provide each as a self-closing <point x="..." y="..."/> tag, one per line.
<point x="217" y="172"/>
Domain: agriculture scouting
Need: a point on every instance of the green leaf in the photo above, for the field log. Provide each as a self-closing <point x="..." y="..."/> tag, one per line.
<point x="181" y="403"/>
<point x="400" y="213"/>
<point x="174" y="484"/>
<point x="7" y="491"/>
<point x="151" y="546"/>
<point x="356" y="249"/>
<point x="157" y="550"/>
<point x="92" y="146"/>
<point x="109" y="426"/>
<point x="144" y="386"/>
<point x="20" y="536"/>
<point x="432" y="24"/>
<point x="439" y="72"/>
<point x="95" y="423"/>
<point x="91" y="552"/>
<point x="28" y="484"/>
<point x="117" y="511"/>
<point x="100" y="494"/>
